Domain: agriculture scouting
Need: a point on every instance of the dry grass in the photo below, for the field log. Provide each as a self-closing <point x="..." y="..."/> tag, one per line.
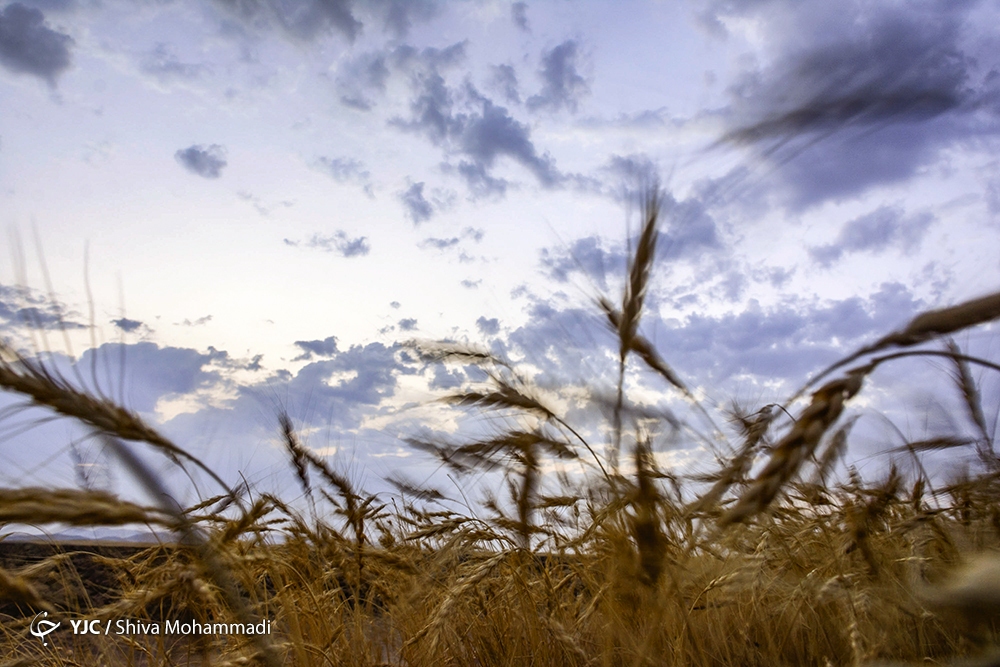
<point x="636" y="568"/>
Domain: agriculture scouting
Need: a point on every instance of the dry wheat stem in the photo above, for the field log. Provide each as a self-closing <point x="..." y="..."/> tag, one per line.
<point x="19" y="590"/>
<point x="797" y="445"/>
<point x="32" y="505"/>
<point x="45" y="389"/>
<point x="922" y="328"/>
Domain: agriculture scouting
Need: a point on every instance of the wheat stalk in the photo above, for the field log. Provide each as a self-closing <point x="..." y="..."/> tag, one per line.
<point x="922" y="328"/>
<point x="23" y="376"/>
<point x="19" y="590"/>
<point x="635" y="293"/>
<point x="33" y="505"/>
<point x="797" y="445"/>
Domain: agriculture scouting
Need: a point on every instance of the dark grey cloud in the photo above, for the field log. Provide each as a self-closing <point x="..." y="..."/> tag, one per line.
<point x="207" y="162"/>
<point x="407" y="324"/>
<point x="504" y="79"/>
<point x="637" y="167"/>
<point x="562" y="85"/>
<point x="40" y="318"/>
<point x="205" y="319"/>
<point x="470" y="233"/>
<point x="440" y="244"/>
<point x="444" y="378"/>
<point x="127" y="325"/>
<point x="360" y="77"/>
<point x="478" y="179"/>
<point x="777" y="343"/>
<point x="364" y="77"/>
<point x="170" y="372"/>
<point x="339" y="243"/>
<point x="777" y="276"/>
<point x="303" y="20"/>
<point x="164" y="65"/>
<point x="417" y="206"/>
<point x="429" y="59"/>
<point x="876" y="94"/>
<point x="519" y="15"/>
<point x="885" y="227"/>
<point x="310" y="20"/>
<point x="688" y="229"/>
<point x="495" y="133"/>
<point x="623" y="178"/>
<point x="259" y="205"/>
<point x="346" y="387"/>
<point x="631" y="176"/>
<point x="53" y="6"/>
<point x="471" y="284"/>
<point x="347" y="170"/>
<point x="431" y="110"/>
<point x="25" y="307"/>
<point x="734" y="285"/>
<point x="399" y="16"/>
<point x="711" y="15"/>
<point x="565" y="343"/>
<point x="335" y="393"/>
<point x="349" y="247"/>
<point x="322" y="348"/>
<point x="585" y="255"/>
<point x="466" y="124"/>
<point x="457" y="119"/>
<point x="993" y="197"/>
<point x="359" y="102"/>
<point x="647" y="119"/>
<point x="144" y="372"/>
<point x="783" y="342"/>
<point x="28" y="46"/>
<point x="344" y="169"/>
<point x="488" y="326"/>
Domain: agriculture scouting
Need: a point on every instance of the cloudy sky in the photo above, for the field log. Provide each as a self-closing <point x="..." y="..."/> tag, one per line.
<point x="268" y="197"/>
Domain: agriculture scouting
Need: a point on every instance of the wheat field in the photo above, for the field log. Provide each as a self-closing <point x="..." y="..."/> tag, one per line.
<point x="775" y="558"/>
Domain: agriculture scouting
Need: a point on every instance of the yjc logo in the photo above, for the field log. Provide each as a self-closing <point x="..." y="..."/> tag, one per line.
<point x="82" y="627"/>
<point x="41" y="628"/>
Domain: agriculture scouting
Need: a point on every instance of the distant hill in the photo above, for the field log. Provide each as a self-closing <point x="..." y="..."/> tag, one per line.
<point x="90" y="535"/>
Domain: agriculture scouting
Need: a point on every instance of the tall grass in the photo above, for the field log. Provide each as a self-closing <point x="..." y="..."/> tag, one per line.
<point x="626" y="565"/>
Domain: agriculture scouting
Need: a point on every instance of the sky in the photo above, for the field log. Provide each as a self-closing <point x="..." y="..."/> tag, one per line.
<point x="218" y="209"/>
